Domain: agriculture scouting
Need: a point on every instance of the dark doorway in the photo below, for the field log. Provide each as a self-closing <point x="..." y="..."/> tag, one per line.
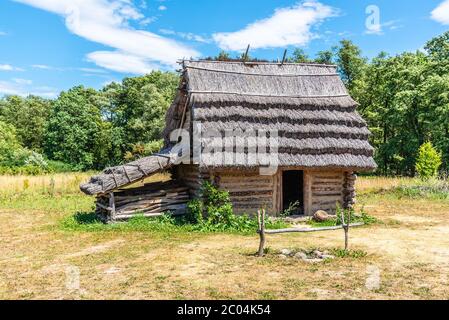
<point x="293" y="191"/>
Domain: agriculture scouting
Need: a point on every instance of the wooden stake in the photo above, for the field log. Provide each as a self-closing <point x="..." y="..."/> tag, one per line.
<point x="284" y="58"/>
<point x="261" y="221"/>
<point x="346" y="227"/>
<point x="245" y="57"/>
<point x="112" y="205"/>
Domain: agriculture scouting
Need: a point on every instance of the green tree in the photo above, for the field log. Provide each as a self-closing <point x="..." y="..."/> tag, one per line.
<point x="140" y="109"/>
<point x="76" y="133"/>
<point x="428" y="162"/>
<point x="223" y="56"/>
<point x="350" y="63"/>
<point x="28" y="116"/>
<point x="438" y="48"/>
<point x="9" y="144"/>
<point x="325" y="57"/>
<point x="299" y="56"/>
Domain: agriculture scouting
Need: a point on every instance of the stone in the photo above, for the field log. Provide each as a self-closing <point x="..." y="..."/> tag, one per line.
<point x="318" y="253"/>
<point x="321" y="216"/>
<point x="286" y="252"/>
<point x="327" y="256"/>
<point x="301" y="255"/>
<point x="313" y="260"/>
<point x="282" y="256"/>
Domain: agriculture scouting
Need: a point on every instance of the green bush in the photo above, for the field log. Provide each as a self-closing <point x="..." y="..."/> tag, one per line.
<point x="194" y="213"/>
<point x="214" y="212"/>
<point x="59" y="167"/>
<point x="428" y="162"/>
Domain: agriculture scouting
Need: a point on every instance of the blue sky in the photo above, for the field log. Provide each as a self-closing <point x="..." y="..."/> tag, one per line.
<point x="51" y="45"/>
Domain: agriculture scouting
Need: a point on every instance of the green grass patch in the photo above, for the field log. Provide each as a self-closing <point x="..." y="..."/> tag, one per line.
<point x="354" y="254"/>
<point x="361" y="217"/>
<point x="89" y="222"/>
<point x="433" y="189"/>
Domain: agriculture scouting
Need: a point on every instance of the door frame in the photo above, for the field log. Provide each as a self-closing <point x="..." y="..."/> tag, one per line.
<point x="305" y="193"/>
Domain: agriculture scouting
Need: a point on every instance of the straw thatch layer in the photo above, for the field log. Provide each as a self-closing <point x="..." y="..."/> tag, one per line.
<point x="307" y="106"/>
<point x="117" y="177"/>
<point x="325" y="161"/>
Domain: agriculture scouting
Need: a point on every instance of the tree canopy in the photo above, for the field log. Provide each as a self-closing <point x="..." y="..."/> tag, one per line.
<point x="404" y="99"/>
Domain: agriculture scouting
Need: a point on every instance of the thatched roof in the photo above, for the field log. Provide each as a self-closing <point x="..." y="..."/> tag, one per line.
<point x="118" y="177"/>
<point x="316" y="119"/>
<point x="308" y="104"/>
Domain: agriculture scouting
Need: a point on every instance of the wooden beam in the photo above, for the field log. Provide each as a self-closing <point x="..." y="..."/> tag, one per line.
<point x="290" y="230"/>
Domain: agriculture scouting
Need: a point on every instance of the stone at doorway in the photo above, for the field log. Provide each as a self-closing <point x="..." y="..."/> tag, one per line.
<point x="322" y="216"/>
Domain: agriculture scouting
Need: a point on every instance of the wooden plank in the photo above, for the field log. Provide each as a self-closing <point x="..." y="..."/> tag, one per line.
<point x="290" y="230"/>
<point x="308" y="198"/>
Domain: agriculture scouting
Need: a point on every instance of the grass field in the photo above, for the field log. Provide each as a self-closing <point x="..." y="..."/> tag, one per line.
<point x="40" y="258"/>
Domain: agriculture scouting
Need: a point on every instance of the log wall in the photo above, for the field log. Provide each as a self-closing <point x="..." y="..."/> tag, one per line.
<point x="323" y="190"/>
<point x="248" y="190"/>
<point x="192" y="177"/>
<point x="349" y="194"/>
<point x="151" y="200"/>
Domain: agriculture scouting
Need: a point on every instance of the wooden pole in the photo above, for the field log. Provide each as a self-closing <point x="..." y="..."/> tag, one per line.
<point x="306" y="230"/>
<point x="245" y="57"/>
<point x="112" y="205"/>
<point x="284" y="58"/>
<point x="261" y="221"/>
<point x="346" y="227"/>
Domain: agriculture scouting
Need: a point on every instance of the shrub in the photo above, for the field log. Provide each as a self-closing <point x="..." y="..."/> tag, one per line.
<point x="428" y="162"/>
<point x="194" y="213"/>
<point x="36" y="159"/>
<point x="214" y="212"/>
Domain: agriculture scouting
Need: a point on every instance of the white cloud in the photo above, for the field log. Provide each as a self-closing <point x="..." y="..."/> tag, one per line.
<point x="2" y="33"/>
<point x="441" y="13"/>
<point x="22" y="81"/>
<point x="92" y="70"/>
<point x="287" y="26"/>
<point x="162" y="8"/>
<point x="378" y="29"/>
<point x="23" y="89"/>
<point x="121" y="62"/>
<point x="108" y="22"/>
<point x="185" y="35"/>
<point x="6" y="67"/>
<point x="8" y="88"/>
<point x="44" y="67"/>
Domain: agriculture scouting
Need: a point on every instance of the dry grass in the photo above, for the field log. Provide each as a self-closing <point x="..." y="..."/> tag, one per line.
<point x="373" y="184"/>
<point x="58" y="183"/>
<point x="409" y="249"/>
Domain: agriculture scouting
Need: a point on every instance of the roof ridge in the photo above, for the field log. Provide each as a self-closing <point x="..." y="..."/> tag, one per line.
<point x="264" y="63"/>
<point x="263" y="74"/>
<point x="268" y="95"/>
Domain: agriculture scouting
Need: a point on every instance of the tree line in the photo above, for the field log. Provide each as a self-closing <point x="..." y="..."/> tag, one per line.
<point x="84" y="128"/>
<point x="404" y="99"/>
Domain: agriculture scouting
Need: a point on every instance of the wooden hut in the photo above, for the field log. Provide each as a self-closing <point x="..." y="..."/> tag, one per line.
<point x="321" y="140"/>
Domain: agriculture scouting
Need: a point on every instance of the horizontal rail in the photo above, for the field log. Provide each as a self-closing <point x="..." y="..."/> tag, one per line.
<point x="290" y="230"/>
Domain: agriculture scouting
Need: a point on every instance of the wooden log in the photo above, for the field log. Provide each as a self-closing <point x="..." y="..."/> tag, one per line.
<point x="261" y="221"/>
<point x="146" y="215"/>
<point x="103" y="206"/>
<point x="112" y="205"/>
<point x="289" y="230"/>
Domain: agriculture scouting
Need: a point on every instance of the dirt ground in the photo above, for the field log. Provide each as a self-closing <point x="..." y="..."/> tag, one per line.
<point x="407" y="258"/>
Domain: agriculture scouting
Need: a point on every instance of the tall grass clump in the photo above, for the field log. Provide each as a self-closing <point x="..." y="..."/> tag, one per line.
<point x="437" y="189"/>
